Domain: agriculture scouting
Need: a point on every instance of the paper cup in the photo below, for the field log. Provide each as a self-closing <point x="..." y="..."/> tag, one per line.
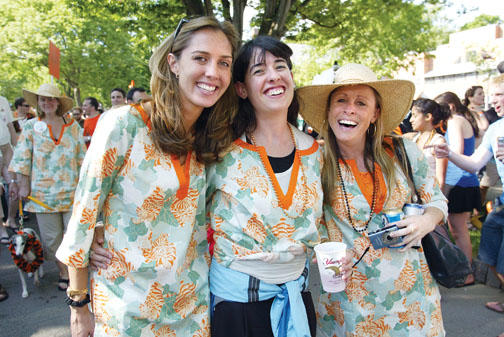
<point x="328" y="254"/>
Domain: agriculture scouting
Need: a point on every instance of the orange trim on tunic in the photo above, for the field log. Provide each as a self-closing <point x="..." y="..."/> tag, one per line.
<point x="365" y="182"/>
<point x="284" y="200"/>
<point x="144" y="115"/>
<point x="56" y="142"/>
<point x="182" y="174"/>
<point x="182" y="171"/>
<point x="398" y="131"/>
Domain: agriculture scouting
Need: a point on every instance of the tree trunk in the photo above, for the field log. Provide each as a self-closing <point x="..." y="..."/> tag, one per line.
<point x="226" y="10"/>
<point x="208" y="8"/>
<point x="238" y="9"/>
<point x="268" y="17"/>
<point x="194" y="7"/>
<point x="77" y="96"/>
<point x="281" y="18"/>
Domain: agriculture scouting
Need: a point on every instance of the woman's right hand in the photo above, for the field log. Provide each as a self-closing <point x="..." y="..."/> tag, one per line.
<point x="24" y="186"/>
<point x="440" y="150"/>
<point x="81" y="322"/>
<point x="99" y="256"/>
<point x="13" y="191"/>
<point x="23" y="191"/>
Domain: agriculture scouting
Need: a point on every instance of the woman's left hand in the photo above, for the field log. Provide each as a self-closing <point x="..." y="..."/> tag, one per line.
<point x="346" y="266"/>
<point x="413" y="228"/>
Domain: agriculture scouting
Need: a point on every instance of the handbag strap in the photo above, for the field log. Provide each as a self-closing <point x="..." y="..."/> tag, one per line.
<point x="401" y="154"/>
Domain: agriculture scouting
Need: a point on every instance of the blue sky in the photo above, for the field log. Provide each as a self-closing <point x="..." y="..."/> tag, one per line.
<point x="473" y="8"/>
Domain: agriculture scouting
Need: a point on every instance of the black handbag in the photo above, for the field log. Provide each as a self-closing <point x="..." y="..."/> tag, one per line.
<point x="447" y="263"/>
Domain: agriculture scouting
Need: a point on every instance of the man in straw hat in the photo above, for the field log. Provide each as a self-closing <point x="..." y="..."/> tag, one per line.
<point x="362" y="180"/>
<point x="46" y="161"/>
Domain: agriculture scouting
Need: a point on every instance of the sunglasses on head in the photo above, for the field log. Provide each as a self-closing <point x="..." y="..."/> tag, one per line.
<point x="177" y="31"/>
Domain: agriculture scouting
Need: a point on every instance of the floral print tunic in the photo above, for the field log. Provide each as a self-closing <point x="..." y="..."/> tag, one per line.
<point x="52" y="163"/>
<point x="248" y="210"/>
<point x="390" y="293"/>
<point x="153" y="209"/>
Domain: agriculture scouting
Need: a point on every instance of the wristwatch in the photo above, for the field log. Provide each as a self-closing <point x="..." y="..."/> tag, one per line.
<point x="77" y="304"/>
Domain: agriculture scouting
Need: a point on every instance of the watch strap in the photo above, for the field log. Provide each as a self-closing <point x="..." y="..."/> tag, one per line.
<point x="77" y="304"/>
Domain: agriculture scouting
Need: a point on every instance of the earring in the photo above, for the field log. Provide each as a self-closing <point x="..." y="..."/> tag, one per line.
<point x="371" y="131"/>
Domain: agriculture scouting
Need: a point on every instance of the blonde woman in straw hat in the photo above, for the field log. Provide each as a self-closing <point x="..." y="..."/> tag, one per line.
<point x="47" y="160"/>
<point x="391" y="291"/>
<point x="145" y="170"/>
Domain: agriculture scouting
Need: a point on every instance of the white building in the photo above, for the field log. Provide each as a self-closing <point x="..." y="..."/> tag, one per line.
<point x="470" y="58"/>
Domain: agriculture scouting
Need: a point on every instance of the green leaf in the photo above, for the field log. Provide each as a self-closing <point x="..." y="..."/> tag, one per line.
<point x="136" y="326"/>
<point x="391" y="298"/>
<point x="133" y="231"/>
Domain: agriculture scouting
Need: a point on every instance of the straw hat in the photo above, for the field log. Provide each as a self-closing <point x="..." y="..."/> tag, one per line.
<point x="48" y="90"/>
<point x="396" y="96"/>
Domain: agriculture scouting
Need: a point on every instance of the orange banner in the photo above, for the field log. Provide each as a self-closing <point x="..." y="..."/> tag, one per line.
<point x="54" y="60"/>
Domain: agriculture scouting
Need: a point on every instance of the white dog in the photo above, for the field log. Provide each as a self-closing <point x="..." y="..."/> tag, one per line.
<point x="19" y="243"/>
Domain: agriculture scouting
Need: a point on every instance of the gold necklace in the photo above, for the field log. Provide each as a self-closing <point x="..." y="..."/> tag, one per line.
<point x="347" y="206"/>
<point x="433" y="132"/>
<point x="296" y="154"/>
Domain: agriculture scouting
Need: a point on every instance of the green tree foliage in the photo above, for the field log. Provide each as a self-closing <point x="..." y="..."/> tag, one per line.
<point x="107" y="43"/>
<point x="96" y="54"/>
<point x="376" y="33"/>
<point x="482" y="20"/>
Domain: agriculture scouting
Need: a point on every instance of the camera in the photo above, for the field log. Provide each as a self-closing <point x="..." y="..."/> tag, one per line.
<point x="381" y="238"/>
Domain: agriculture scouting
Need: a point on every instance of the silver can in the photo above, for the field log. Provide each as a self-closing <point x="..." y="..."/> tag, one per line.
<point x="391" y="215"/>
<point x="413" y="209"/>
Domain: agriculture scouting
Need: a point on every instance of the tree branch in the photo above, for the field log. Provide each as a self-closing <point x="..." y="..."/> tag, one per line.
<point x="226" y="12"/>
<point x="318" y="23"/>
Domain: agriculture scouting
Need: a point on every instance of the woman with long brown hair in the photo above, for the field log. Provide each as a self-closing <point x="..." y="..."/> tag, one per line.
<point x="461" y="187"/>
<point x="145" y="171"/>
<point x="474" y="100"/>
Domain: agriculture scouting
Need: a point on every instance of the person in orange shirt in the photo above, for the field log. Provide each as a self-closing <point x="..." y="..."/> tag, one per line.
<point x="90" y="108"/>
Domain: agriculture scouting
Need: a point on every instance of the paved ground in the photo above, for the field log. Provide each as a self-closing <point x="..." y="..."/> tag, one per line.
<point x="44" y="314"/>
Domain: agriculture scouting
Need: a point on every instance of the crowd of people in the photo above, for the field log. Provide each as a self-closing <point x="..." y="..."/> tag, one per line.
<point x="195" y="210"/>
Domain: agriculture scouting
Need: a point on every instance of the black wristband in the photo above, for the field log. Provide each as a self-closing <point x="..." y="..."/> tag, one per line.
<point x="77" y="304"/>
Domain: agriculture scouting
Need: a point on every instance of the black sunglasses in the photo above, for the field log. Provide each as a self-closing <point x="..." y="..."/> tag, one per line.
<point x="177" y="31"/>
<point x="25" y="105"/>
